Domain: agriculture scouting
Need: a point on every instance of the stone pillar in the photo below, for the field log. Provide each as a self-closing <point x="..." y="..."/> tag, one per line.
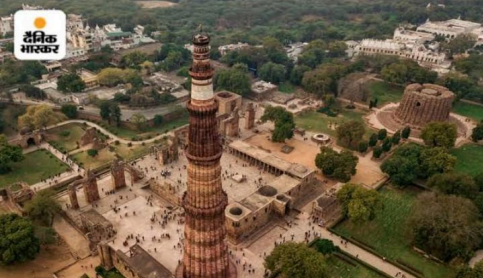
<point x="250" y="117"/>
<point x="91" y="192"/>
<point x="105" y="256"/>
<point x="74" y="203"/>
<point x="117" y="175"/>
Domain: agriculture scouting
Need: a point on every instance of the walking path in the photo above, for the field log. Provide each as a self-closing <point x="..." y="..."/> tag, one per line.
<point x="253" y="254"/>
<point x="108" y="133"/>
<point x="76" y="170"/>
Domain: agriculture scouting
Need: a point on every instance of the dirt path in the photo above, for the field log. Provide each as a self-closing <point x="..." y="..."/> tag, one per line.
<point x="48" y="261"/>
<point x="78" y="244"/>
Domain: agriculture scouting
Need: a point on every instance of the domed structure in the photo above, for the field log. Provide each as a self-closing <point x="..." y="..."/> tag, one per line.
<point x="422" y="104"/>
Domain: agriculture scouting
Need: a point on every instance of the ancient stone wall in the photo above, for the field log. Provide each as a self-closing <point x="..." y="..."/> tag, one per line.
<point x="117" y="175"/>
<point x="422" y="104"/>
<point x="91" y="191"/>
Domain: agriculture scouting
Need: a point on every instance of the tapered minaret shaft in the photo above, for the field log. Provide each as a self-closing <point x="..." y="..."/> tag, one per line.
<point x="205" y="249"/>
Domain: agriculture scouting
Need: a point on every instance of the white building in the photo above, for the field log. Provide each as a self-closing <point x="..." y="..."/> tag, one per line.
<point x="224" y="49"/>
<point x="414" y="51"/>
<point x="450" y="28"/>
<point x="409" y="36"/>
<point x="6" y="25"/>
<point x="295" y="49"/>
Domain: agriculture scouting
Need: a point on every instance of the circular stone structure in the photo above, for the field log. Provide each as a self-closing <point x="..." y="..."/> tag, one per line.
<point x="267" y="191"/>
<point x="321" y="138"/>
<point x="422" y="104"/>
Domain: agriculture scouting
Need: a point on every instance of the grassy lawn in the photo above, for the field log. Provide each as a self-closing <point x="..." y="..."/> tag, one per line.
<point x="37" y="165"/>
<point x="66" y="137"/>
<point x="388" y="233"/>
<point x="129" y="134"/>
<point x="319" y="122"/>
<point x="469" y="159"/>
<point x="341" y="269"/>
<point x="287" y="88"/>
<point x="469" y="110"/>
<point x="103" y="157"/>
<point x="385" y="92"/>
<point x="135" y="151"/>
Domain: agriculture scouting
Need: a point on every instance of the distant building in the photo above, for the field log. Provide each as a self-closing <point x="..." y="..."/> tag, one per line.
<point x="262" y="89"/>
<point x="294" y="50"/>
<point x="224" y="49"/>
<point x="89" y="78"/>
<point x="449" y="28"/>
<point x="6" y="25"/>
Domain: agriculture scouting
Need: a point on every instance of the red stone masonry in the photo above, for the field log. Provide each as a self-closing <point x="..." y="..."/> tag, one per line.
<point x="204" y="202"/>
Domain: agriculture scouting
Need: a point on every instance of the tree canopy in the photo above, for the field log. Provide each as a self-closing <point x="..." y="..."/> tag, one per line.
<point x="40" y="116"/>
<point x="70" y="83"/>
<point x="42" y="208"/>
<point x="340" y="166"/>
<point x="439" y="134"/>
<point x="283" y="120"/>
<point x="297" y="260"/>
<point x="234" y="80"/>
<point x="350" y="133"/>
<point x="8" y="155"/>
<point x="446" y="226"/>
<point x="17" y="240"/>
<point x="454" y="183"/>
<point x="358" y="203"/>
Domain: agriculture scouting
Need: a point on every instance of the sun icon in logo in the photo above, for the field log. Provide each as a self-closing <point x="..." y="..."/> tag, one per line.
<point x="40" y="22"/>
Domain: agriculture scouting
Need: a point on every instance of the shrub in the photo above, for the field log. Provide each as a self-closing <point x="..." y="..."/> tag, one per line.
<point x="65" y="133"/>
<point x="377" y="152"/>
<point x="117" y="143"/>
<point x="92" y="152"/>
<point x="382" y="134"/>
<point x="363" y="146"/>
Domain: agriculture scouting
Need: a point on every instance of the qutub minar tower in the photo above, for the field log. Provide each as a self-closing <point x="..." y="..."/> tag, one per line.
<point x="204" y="202"/>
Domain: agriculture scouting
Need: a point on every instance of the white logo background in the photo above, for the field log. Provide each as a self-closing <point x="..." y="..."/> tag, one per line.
<point x="55" y="25"/>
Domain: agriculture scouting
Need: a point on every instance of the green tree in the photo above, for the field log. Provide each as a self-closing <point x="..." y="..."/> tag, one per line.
<point x="382" y="134"/>
<point x="377" y="152"/>
<point x="42" y="208"/>
<point x="435" y="160"/>
<point x="69" y="110"/>
<point x="326" y="246"/>
<point x="455" y="184"/>
<point x="18" y="243"/>
<point x="406" y="132"/>
<point x="324" y="79"/>
<point x="40" y="116"/>
<point x="403" y="166"/>
<point x="395" y="73"/>
<point x="8" y="155"/>
<point x="297" y="260"/>
<point x="70" y="83"/>
<point x="33" y="92"/>
<point x="233" y="80"/>
<point x="158" y="120"/>
<point x="350" y="133"/>
<point x="373" y="140"/>
<point x="92" y="152"/>
<point x="460" y="44"/>
<point x="111" y="77"/>
<point x="274" y="73"/>
<point x="134" y="60"/>
<point x="477" y="133"/>
<point x="358" y="203"/>
<point x="139" y="120"/>
<point x="439" y="134"/>
<point x="283" y="120"/>
<point x="446" y="226"/>
<point x="110" y="112"/>
<point x="363" y="146"/>
<point x="396" y="138"/>
<point x="341" y="166"/>
<point x="387" y="144"/>
<point x="297" y="74"/>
